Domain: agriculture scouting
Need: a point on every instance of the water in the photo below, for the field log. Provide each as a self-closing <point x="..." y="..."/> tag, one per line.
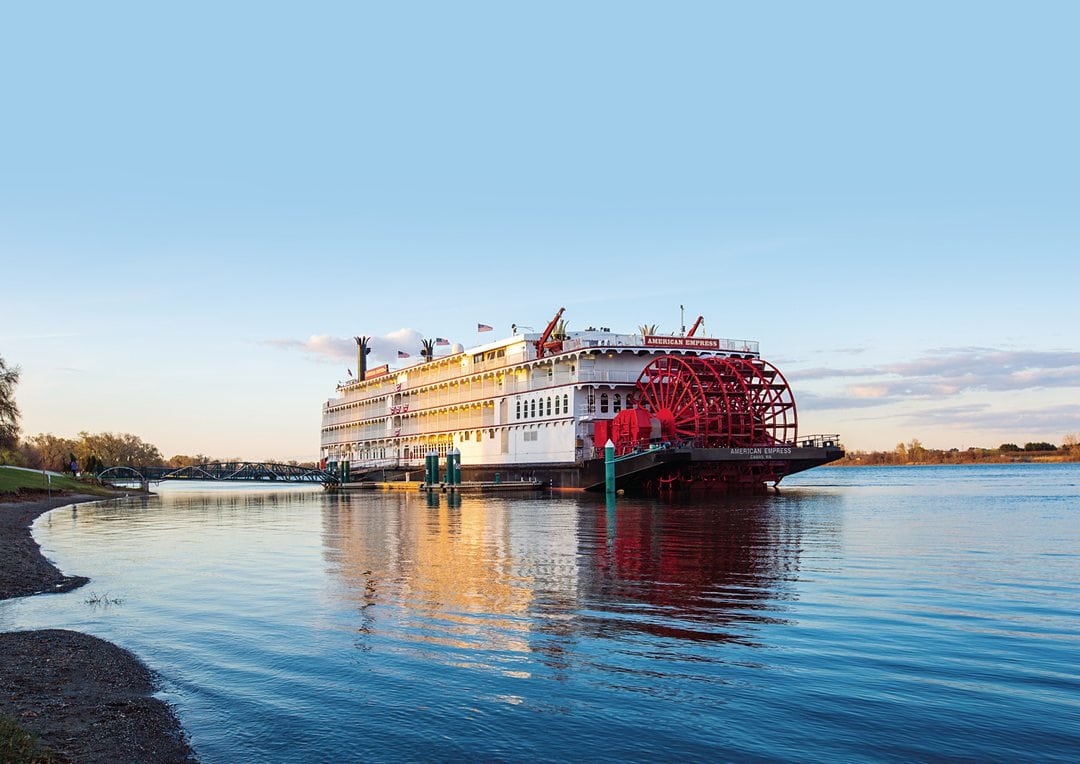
<point x="889" y="614"/>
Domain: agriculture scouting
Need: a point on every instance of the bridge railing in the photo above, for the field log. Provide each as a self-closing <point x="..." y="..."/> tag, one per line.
<point x="249" y="471"/>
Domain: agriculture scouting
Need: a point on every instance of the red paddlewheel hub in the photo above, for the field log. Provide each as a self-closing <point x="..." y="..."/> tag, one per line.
<point x="708" y="403"/>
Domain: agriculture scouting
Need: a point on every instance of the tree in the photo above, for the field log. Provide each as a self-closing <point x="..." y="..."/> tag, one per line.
<point x="1040" y="446"/>
<point x="9" y="412"/>
<point x="1008" y="447"/>
<point x="117" y="449"/>
<point x="47" y="451"/>
<point x="183" y="460"/>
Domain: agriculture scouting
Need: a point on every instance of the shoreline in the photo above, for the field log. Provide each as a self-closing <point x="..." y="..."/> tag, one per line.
<point x="86" y="699"/>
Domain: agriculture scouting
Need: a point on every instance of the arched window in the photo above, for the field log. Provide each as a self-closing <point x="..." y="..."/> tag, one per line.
<point x="616" y="404"/>
<point x="549" y="406"/>
<point x="533" y="407"/>
<point x="603" y="403"/>
<point x="518" y="409"/>
<point x="557" y="405"/>
<point x="566" y="403"/>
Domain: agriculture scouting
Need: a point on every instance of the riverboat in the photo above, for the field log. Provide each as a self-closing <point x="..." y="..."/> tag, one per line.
<point x="682" y="412"/>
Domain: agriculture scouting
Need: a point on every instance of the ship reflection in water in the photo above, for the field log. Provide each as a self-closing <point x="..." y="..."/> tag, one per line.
<point x="520" y="587"/>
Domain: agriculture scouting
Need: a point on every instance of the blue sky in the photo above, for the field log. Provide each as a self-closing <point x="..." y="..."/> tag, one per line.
<point x="201" y="203"/>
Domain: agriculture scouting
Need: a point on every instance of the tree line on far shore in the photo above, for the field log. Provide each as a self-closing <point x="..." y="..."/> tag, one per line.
<point x="90" y="451"/>
<point x="914" y="452"/>
<point x="95" y="451"/>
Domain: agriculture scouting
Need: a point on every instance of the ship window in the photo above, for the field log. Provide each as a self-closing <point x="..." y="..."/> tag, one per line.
<point x="557" y="400"/>
<point x="549" y="406"/>
<point x="478" y="435"/>
<point x="531" y="435"/>
<point x="466" y="436"/>
<point x="603" y="403"/>
<point x="518" y="409"/>
<point x="566" y="403"/>
<point x="534" y="407"/>
<point x="501" y="353"/>
<point x="616" y="405"/>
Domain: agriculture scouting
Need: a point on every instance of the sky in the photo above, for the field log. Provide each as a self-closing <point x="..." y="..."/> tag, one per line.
<point x="202" y="203"/>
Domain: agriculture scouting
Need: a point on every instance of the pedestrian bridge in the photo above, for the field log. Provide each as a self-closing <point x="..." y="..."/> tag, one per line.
<point x="264" y="471"/>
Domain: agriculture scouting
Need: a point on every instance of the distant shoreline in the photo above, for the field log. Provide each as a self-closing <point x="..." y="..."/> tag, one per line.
<point x="845" y="464"/>
<point x="85" y="698"/>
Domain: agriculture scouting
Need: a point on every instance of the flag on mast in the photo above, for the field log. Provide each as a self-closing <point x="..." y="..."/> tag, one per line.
<point x="483" y="328"/>
<point x="441" y="341"/>
<point x="350" y="372"/>
<point x="402" y="354"/>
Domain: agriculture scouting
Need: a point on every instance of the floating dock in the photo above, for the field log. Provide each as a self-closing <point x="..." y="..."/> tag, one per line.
<point x="464" y="487"/>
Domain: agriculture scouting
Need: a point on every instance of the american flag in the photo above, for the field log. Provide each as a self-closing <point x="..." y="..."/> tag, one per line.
<point x="402" y="354"/>
<point x="483" y="328"/>
<point x="441" y="341"/>
<point x="350" y="372"/>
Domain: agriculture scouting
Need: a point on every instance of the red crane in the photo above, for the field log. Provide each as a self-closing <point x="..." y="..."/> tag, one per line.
<point x="542" y="343"/>
<point x="694" y="328"/>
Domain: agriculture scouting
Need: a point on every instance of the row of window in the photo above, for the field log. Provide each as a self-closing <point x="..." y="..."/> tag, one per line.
<point x="542" y="407"/>
<point x="615" y="402"/>
<point x="491" y="355"/>
<point x="527" y="409"/>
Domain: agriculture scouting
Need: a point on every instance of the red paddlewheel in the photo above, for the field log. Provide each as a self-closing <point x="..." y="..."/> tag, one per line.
<point x="712" y="403"/>
<point x="771" y="403"/>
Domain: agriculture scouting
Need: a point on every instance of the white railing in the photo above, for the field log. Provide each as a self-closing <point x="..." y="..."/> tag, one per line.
<point x="608" y="376"/>
<point x="637" y="341"/>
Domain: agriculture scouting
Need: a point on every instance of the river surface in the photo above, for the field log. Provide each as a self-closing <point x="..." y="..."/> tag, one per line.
<point x="865" y="614"/>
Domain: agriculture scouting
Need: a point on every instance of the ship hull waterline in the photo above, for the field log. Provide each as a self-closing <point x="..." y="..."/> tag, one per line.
<point x="676" y="469"/>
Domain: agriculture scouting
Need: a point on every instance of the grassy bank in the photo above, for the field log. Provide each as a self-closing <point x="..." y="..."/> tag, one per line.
<point x="18" y="746"/>
<point x="15" y="481"/>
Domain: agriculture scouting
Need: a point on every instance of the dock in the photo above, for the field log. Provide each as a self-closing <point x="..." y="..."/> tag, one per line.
<point x="464" y="487"/>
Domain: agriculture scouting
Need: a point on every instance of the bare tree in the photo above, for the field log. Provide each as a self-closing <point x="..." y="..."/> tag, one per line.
<point x="9" y="412"/>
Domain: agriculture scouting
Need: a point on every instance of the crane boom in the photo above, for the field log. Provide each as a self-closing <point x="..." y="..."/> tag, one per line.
<point x="542" y="342"/>
<point x="694" y="328"/>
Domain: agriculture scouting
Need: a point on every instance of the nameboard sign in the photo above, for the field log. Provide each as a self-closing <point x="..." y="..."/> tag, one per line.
<point x="686" y="343"/>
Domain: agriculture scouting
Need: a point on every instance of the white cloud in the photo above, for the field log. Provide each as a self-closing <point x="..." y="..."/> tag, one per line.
<point x="384" y="348"/>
